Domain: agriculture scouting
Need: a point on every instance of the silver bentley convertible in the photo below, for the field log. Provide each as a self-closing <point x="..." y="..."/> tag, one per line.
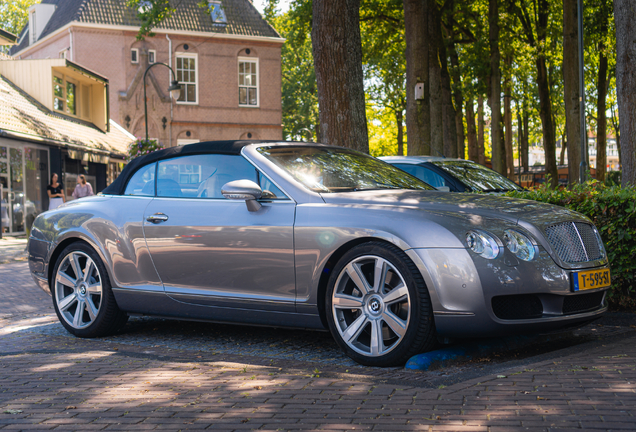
<point x="317" y="237"/>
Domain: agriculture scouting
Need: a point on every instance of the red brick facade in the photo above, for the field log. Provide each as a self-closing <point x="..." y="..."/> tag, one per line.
<point x="215" y="116"/>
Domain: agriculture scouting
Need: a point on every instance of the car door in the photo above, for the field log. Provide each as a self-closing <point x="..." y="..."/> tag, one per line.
<point x="133" y="269"/>
<point x="212" y="251"/>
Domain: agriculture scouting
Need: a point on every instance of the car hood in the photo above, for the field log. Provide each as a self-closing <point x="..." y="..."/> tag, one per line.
<point x="515" y="210"/>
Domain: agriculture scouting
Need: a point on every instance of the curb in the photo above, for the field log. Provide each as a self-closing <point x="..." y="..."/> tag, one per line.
<point x="441" y="358"/>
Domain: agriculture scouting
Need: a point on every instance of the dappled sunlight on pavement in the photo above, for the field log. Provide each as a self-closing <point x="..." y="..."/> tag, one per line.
<point x="149" y="378"/>
<point x="27" y="323"/>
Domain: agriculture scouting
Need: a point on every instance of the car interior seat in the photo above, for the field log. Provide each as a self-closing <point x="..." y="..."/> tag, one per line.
<point x="168" y="188"/>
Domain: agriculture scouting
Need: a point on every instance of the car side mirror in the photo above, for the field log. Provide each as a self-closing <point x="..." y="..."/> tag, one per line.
<point x="245" y="190"/>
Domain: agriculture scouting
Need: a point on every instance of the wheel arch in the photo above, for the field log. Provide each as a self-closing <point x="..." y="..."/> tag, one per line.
<point x="325" y="273"/>
<point x="57" y="251"/>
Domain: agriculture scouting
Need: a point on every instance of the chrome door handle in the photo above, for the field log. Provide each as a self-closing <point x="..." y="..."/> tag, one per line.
<point x="157" y="218"/>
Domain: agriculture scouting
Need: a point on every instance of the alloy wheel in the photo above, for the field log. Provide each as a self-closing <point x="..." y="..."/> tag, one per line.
<point x="371" y="305"/>
<point x="78" y="290"/>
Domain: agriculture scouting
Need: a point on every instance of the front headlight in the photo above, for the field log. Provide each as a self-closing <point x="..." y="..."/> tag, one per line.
<point x="482" y="243"/>
<point x="519" y="244"/>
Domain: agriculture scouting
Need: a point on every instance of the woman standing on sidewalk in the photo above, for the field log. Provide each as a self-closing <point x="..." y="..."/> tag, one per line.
<point x="56" y="193"/>
<point x="82" y="189"/>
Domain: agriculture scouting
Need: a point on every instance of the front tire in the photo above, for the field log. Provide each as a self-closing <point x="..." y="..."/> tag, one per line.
<point x="378" y="308"/>
<point x="82" y="294"/>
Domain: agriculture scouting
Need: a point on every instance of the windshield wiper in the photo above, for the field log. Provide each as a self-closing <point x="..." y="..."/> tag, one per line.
<point x="375" y="188"/>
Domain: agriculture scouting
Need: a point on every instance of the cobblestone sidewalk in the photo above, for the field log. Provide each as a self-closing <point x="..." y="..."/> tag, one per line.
<point x="12" y="249"/>
<point x="53" y="382"/>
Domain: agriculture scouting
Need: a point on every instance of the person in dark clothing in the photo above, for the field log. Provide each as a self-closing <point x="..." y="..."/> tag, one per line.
<point x="56" y="193"/>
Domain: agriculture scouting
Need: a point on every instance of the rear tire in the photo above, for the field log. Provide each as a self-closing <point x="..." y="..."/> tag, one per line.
<point x="82" y="294"/>
<point x="378" y="308"/>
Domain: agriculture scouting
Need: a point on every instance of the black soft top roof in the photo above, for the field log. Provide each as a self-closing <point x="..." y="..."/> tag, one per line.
<point x="215" y="147"/>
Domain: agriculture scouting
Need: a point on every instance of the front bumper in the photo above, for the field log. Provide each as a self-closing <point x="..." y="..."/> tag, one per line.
<point x="475" y="297"/>
<point x="38" y="251"/>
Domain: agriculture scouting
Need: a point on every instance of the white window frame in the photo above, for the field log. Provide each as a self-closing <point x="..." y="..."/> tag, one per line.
<point x="154" y="56"/>
<point x="62" y="54"/>
<point x="32" y="28"/>
<point x="186" y="141"/>
<point x="195" y="56"/>
<point x="217" y="6"/>
<point x="258" y="79"/>
<point x="79" y="89"/>
<point x="136" y="51"/>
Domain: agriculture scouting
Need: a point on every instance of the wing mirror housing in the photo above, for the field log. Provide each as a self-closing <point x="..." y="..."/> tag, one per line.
<point x="244" y="190"/>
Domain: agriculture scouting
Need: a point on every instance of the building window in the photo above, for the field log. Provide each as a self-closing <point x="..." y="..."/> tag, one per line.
<point x="217" y="13"/>
<point x="67" y="97"/>
<point x="71" y="93"/>
<point x="186" y="141"/>
<point x="134" y="55"/>
<point x="152" y="54"/>
<point x="187" y="77"/>
<point x="62" y="54"/>
<point x="32" y="29"/>
<point x="248" y="82"/>
<point x="58" y="93"/>
<point x="145" y="6"/>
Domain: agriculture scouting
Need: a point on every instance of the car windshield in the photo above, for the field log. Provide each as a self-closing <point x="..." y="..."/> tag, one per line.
<point x="477" y="177"/>
<point x="328" y="169"/>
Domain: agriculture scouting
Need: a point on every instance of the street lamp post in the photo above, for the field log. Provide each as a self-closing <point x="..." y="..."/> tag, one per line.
<point x="174" y="90"/>
<point x="583" y="165"/>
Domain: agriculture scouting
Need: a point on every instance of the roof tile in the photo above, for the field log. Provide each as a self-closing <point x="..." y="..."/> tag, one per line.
<point x="242" y="18"/>
<point x="20" y="113"/>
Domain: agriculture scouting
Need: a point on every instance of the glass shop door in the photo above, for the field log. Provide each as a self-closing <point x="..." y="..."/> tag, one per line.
<point x="23" y="177"/>
<point x="5" y="213"/>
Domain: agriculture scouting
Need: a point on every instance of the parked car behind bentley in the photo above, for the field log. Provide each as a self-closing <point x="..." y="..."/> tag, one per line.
<point x="314" y="236"/>
<point x="453" y="175"/>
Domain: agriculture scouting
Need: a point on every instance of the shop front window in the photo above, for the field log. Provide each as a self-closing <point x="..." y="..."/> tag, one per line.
<point x="36" y="175"/>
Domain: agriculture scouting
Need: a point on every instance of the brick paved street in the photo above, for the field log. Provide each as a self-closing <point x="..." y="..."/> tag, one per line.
<point x="51" y="381"/>
<point x="12" y="249"/>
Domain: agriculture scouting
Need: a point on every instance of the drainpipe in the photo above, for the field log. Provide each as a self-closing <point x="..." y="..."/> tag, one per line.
<point x="169" y="83"/>
<point x="70" y="32"/>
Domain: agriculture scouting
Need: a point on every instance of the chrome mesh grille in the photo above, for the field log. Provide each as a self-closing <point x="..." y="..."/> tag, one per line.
<point x="574" y="242"/>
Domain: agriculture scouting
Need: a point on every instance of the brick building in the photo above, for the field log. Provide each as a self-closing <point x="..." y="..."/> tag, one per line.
<point x="227" y="59"/>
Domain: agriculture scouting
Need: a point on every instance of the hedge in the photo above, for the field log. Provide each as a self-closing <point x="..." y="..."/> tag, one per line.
<point x="613" y="211"/>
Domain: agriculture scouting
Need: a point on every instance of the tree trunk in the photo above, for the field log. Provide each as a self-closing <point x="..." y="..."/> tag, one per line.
<point x="545" y="111"/>
<point x="399" y="118"/>
<point x="617" y="132"/>
<point x="522" y="167"/>
<point x="543" y="83"/>
<point x="435" y="77"/>
<point x="601" y="117"/>
<point x="459" y="101"/>
<point x="337" y="50"/>
<point x="472" y="132"/>
<point x="498" y="162"/>
<point x="481" y="147"/>
<point x="418" y="112"/>
<point x="564" y="147"/>
<point x="571" y="88"/>
<point x="625" y="19"/>
<point x="510" y="163"/>
<point x="525" y="148"/>
<point x="545" y="100"/>
<point x="448" y="110"/>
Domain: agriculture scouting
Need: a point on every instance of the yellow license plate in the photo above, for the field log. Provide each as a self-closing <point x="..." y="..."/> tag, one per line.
<point x="591" y="279"/>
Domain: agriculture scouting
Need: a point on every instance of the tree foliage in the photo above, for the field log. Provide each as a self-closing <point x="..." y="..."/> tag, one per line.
<point x="530" y="32"/>
<point x="14" y="14"/>
<point x="299" y="91"/>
